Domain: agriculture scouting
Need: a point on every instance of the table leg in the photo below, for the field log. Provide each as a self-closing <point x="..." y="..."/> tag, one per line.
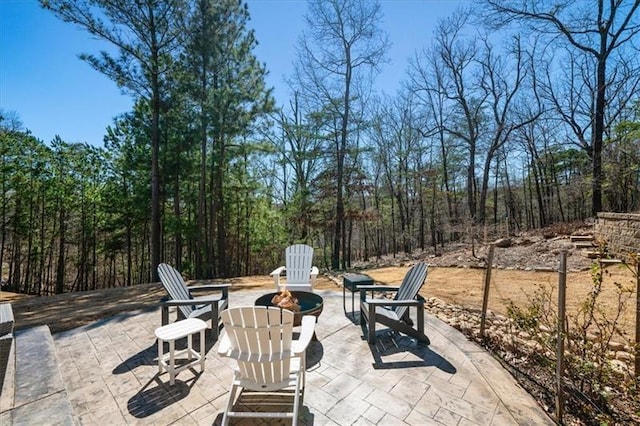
<point x="202" y="350"/>
<point x="172" y="362"/>
<point x="344" y="295"/>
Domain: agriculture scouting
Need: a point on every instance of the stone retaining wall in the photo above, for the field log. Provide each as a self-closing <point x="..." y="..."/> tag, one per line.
<point x="621" y="232"/>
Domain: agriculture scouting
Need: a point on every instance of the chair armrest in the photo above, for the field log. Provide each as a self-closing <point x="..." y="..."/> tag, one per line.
<point x="196" y="301"/>
<point x="279" y="270"/>
<point x="377" y="288"/>
<point x="314" y="274"/>
<point x="209" y="299"/>
<point x="225" y="345"/>
<point x="373" y="288"/>
<point x="276" y="276"/>
<point x="211" y="287"/>
<point x="384" y="302"/>
<point x="306" y="333"/>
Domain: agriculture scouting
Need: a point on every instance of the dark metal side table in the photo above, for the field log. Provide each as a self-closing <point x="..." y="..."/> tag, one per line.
<point x="351" y="282"/>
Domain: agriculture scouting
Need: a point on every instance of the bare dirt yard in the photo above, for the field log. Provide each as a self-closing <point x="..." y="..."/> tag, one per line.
<point x="455" y="277"/>
<point x="519" y="271"/>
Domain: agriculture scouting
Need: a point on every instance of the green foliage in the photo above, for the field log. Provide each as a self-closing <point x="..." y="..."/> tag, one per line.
<point x="231" y="189"/>
<point x="526" y="319"/>
<point x="589" y="369"/>
<point x="144" y="34"/>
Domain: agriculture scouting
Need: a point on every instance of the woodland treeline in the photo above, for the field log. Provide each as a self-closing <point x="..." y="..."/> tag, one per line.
<point x="513" y="116"/>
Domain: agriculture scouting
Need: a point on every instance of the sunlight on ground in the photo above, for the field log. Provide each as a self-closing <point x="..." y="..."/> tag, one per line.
<point x="464" y="286"/>
<point x="6" y="296"/>
<point x="460" y="286"/>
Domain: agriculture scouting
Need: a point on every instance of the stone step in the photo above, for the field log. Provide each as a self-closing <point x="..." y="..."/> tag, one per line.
<point x="40" y="396"/>
<point x="611" y="261"/>
<point x="6" y="343"/>
<point x="6" y="395"/>
<point x="576" y="238"/>
<point x="591" y="254"/>
<point x="583" y="244"/>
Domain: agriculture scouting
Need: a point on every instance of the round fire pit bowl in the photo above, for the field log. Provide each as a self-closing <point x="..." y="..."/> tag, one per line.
<point x="310" y="304"/>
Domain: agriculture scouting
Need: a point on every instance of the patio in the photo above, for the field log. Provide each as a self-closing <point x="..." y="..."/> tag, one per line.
<point x="110" y="376"/>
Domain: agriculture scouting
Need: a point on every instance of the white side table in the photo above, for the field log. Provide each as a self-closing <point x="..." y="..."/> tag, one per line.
<point x="172" y="332"/>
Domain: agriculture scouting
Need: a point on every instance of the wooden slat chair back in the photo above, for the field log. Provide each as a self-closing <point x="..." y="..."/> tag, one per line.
<point x="410" y="286"/>
<point x="299" y="260"/>
<point x="260" y="339"/>
<point x="175" y="286"/>
<point x="395" y="313"/>
<point x="300" y="272"/>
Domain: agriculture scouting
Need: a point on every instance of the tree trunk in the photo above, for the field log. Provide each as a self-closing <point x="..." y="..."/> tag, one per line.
<point x="155" y="176"/>
<point x="60" y="265"/>
<point x="471" y="173"/>
<point x="598" y="131"/>
<point x="340" y="233"/>
<point x="218" y="196"/>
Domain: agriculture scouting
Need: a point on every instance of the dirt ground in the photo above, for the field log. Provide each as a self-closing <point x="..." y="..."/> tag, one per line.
<point x="464" y="287"/>
<point x="455" y="285"/>
<point x="71" y="310"/>
<point x="455" y="276"/>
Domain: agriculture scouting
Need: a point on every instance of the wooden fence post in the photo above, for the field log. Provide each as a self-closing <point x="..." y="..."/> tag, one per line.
<point x="485" y="296"/>
<point x="636" y="370"/>
<point x="562" y="291"/>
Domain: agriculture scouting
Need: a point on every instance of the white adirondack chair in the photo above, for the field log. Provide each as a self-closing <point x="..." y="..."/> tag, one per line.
<point x="269" y="361"/>
<point x="300" y="273"/>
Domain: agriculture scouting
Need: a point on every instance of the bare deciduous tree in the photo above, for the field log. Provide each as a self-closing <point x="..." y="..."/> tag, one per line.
<point x="597" y="28"/>
<point x="339" y="51"/>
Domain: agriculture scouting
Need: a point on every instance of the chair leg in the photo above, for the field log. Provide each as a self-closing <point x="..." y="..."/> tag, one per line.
<point x="214" y="321"/>
<point x="296" y="402"/>
<point x="165" y="315"/>
<point x="407" y="318"/>
<point x="232" y="397"/>
<point x="202" y="350"/>
<point x="303" y="364"/>
<point x="363" y="295"/>
<point x="372" y="324"/>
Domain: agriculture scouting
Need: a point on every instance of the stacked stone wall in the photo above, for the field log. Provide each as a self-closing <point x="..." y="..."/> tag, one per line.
<point x="621" y="232"/>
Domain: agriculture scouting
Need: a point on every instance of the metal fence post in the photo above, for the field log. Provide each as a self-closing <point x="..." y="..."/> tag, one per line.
<point x="562" y="290"/>
<point x="485" y="296"/>
<point x="636" y="365"/>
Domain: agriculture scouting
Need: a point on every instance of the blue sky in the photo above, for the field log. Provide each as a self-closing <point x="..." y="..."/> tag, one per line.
<point x="55" y="93"/>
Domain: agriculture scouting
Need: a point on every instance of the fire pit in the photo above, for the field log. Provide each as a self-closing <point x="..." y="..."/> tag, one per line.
<point x="310" y="304"/>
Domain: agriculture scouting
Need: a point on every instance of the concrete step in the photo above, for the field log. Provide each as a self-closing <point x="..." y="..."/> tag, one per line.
<point x="40" y="396"/>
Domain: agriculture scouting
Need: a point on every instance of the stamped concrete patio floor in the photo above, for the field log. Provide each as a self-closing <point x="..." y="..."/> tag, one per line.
<point x="110" y="375"/>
